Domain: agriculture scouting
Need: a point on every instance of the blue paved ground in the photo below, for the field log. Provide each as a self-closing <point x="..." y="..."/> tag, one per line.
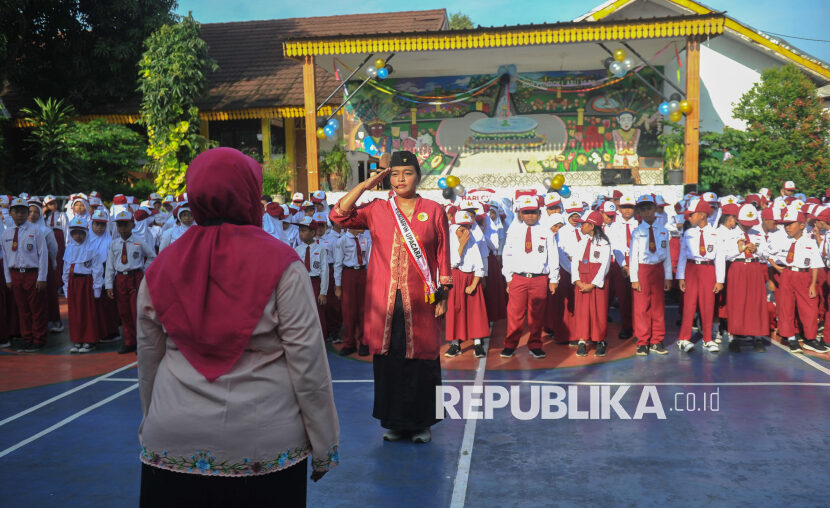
<point x="767" y="445"/>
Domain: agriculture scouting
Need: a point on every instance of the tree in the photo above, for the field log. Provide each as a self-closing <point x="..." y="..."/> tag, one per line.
<point x="460" y="21"/>
<point x="787" y="134"/>
<point x="85" y="52"/>
<point x="52" y="169"/>
<point x="172" y="74"/>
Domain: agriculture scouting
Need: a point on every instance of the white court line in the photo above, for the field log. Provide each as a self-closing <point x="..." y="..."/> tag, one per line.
<point x="465" y="454"/>
<point x="122" y="379"/>
<point x="67" y="420"/>
<point x="803" y="357"/>
<point x="64" y="394"/>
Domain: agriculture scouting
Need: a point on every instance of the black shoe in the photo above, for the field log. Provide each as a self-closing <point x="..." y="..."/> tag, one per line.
<point x="659" y="348"/>
<point x="601" y="347"/>
<point x="126" y="349"/>
<point x="625" y="333"/>
<point x="507" y="352"/>
<point x="582" y="349"/>
<point x="537" y="353"/>
<point x="734" y="346"/>
<point x="758" y="345"/>
<point x="548" y="331"/>
<point x="573" y="343"/>
<point x="23" y="346"/>
<point x="348" y="350"/>
<point x="363" y="350"/>
<point x="478" y="351"/>
<point x="454" y="350"/>
<point x="815" y="346"/>
<point x="793" y="345"/>
<point x="642" y="351"/>
<point x="33" y="347"/>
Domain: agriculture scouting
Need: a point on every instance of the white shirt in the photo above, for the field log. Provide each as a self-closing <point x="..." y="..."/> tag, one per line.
<point x="345" y="254"/>
<point x="542" y="258"/>
<point x="566" y="240"/>
<point x="139" y="257"/>
<point x="806" y="254"/>
<point x="616" y="232"/>
<point x="470" y="258"/>
<point x="690" y="250"/>
<point x="318" y="262"/>
<point x="641" y="254"/>
<point x="171" y="235"/>
<point x="600" y="253"/>
<point x="756" y="237"/>
<point x="31" y="252"/>
<point x="83" y="259"/>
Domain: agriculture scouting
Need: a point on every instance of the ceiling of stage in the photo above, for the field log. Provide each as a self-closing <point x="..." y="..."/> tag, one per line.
<point x="552" y="57"/>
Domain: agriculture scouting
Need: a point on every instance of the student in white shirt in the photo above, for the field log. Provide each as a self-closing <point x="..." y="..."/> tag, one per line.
<point x="314" y="256"/>
<point x="531" y="268"/>
<point x="593" y="257"/>
<point x="351" y="258"/>
<point x="83" y="278"/>
<point x="619" y="234"/>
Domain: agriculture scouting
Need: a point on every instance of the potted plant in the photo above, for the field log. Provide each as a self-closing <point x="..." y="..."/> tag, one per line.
<point x="674" y="151"/>
<point x="336" y="168"/>
<point x="276" y="173"/>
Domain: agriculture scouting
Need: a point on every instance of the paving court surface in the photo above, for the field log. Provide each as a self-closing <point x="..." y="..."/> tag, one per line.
<point x="68" y="432"/>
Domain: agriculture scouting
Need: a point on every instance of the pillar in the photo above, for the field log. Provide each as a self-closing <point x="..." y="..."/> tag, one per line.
<point x="265" y="129"/>
<point x="312" y="181"/>
<point x="690" y="160"/>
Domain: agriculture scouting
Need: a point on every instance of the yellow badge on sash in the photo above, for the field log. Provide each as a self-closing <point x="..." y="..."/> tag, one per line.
<point x="423" y="216"/>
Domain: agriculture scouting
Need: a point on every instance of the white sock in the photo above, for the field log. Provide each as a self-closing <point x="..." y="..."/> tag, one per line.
<point x="477" y="342"/>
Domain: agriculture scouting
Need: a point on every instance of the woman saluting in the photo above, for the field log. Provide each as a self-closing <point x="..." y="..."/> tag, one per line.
<point x="409" y="273"/>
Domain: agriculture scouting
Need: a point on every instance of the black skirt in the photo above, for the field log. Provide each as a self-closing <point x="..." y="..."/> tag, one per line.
<point x="404" y="388"/>
<point x="161" y="488"/>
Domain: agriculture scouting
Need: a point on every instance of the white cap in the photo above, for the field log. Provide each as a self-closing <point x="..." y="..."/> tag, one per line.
<point x="18" y="201"/>
<point x="555" y="218"/>
<point x="646" y="198"/>
<point x="100" y="216"/>
<point x="320" y="218"/>
<point x="527" y="203"/>
<point x="78" y="222"/>
<point x="709" y="197"/>
<point x="627" y="200"/>
<point x="305" y="221"/>
<point x="572" y="205"/>
<point x="298" y="196"/>
<point x="789" y="185"/>
<point x="609" y="208"/>
<point x="169" y="199"/>
<point x="463" y="217"/>
<point x="748" y="215"/>
<point x="123" y="216"/>
<point x="552" y="198"/>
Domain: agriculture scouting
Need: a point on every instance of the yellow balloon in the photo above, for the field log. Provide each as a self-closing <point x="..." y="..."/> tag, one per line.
<point x="452" y="181"/>
<point x="557" y="182"/>
<point x="685" y="107"/>
<point x="321" y="134"/>
<point x="619" y="55"/>
<point x="380" y="63"/>
<point x="675" y="116"/>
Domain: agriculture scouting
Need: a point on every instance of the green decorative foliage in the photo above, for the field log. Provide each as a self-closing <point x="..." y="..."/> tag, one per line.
<point x="172" y="74"/>
<point x="276" y="173"/>
<point x="52" y="169"/>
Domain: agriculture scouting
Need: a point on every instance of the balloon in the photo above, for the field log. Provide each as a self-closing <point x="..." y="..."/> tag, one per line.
<point x="675" y="97"/>
<point x="685" y="107"/>
<point x="321" y="133"/>
<point x="619" y="55"/>
<point x="616" y="68"/>
<point x="442" y="183"/>
<point x="383" y="73"/>
<point x="663" y="108"/>
<point x="334" y="123"/>
<point x="621" y="73"/>
<point x="452" y="181"/>
<point x="565" y="191"/>
<point x="546" y="182"/>
<point x="380" y="63"/>
<point x="608" y="61"/>
<point x="459" y="190"/>
<point x="371" y="71"/>
<point x="448" y="193"/>
<point x="389" y="69"/>
<point x="674" y="106"/>
<point x="329" y="131"/>
<point x="628" y="63"/>
<point x="557" y="182"/>
<point x="675" y="116"/>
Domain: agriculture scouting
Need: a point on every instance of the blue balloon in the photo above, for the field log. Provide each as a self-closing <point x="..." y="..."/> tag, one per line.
<point x="442" y="183"/>
<point x="663" y="108"/>
<point x="329" y="130"/>
<point x="383" y="73"/>
<point x="334" y="124"/>
<point x="565" y="191"/>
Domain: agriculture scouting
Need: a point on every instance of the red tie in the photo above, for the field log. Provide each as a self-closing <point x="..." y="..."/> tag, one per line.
<point x="308" y="257"/>
<point x="628" y="240"/>
<point x="359" y="251"/>
<point x="14" y="240"/>
<point x="747" y="254"/>
<point x="587" y="252"/>
<point x="52" y="219"/>
<point x="791" y="253"/>
<point x="652" y="243"/>
<point x="528" y="241"/>
<point x="578" y="236"/>
<point x="124" y="253"/>
<point x="702" y="244"/>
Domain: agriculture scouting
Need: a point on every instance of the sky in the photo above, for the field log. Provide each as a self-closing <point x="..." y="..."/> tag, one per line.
<point x="802" y="18"/>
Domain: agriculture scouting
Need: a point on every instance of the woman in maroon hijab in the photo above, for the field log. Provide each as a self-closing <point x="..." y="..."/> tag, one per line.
<point x="409" y="272"/>
<point x="233" y="377"/>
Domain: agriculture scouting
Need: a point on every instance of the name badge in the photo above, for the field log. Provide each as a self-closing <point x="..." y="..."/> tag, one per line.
<point x="29" y="247"/>
<point x="710" y="248"/>
<point x="541" y="248"/>
<point x="135" y="255"/>
<point x="316" y="264"/>
<point x="663" y="244"/>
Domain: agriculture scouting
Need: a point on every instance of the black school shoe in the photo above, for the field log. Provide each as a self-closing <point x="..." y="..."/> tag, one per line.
<point x="601" y="347"/>
<point x="507" y="352"/>
<point x="582" y="349"/>
<point x="363" y="350"/>
<point x="642" y="351"/>
<point x="793" y="345"/>
<point x="348" y="350"/>
<point x="478" y="351"/>
<point x="537" y="353"/>
<point x="659" y="348"/>
<point x="454" y="350"/>
<point x="734" y="346"/>
<point x="815" y="346"/>
<point x="758" y="345"/>
<point x="32" y="347"/>
<point x="625" y="333"/>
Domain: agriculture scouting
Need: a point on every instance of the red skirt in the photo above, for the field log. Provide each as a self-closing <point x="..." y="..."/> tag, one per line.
<point x="107" y="311"/>
<point x="466" y="316"/>
<point x="747" y="300"/>
<point x="83" y="319"/>
<point x="495" y="294"/>
<point x="590" y="309"/>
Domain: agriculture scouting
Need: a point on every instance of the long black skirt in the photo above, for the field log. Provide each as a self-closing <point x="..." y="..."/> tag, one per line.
<point x="161" y="488"/>
<point x="404" y="388"/>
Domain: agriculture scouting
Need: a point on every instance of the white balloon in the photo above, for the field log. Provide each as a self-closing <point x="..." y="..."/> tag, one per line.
<point x="459" y="190"/>
<point x="616" y="67"/>
<point x="674" y="106"/>
<point x="628" y="63"/>
<point x="371" y="71"/>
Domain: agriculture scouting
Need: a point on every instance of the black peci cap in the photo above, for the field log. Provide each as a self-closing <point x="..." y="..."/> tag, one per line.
<point x="405" y="158"/>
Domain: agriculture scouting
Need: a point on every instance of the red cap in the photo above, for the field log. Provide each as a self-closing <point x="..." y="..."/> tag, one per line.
<point x="698" y="205"/>
<point x="119" y="199"/>
<point x="274" y="210"/>
<point x="767" y="214"/>
<point x="140" y="214"/>
<point x="594" y="218"/>
<point x="617" y="194"/>
<point x="730" y="209"/>
<point x="814" y="201"/>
